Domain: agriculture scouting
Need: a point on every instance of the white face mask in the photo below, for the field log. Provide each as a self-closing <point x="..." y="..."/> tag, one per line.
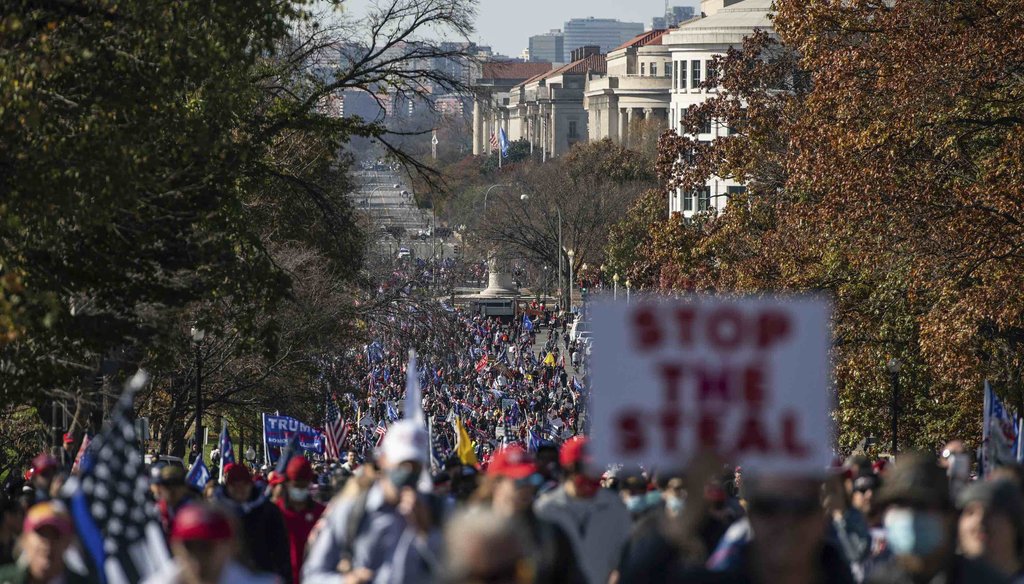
<point x="298" y="495"/>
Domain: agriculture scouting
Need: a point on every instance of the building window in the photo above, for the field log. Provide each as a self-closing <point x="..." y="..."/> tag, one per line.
<point x="572" y="128"/>
<point x="712" y="74"/>
<point x="705" y="128"/>
<point x="682" y="75"/>
<point x="694" y="74"/>
<point x="687" y="202"/>
<point x="643" y="69"/>
<point x="654" y="69"/>
<point x="668" y="68"/>
<point x="704" y="199"/>
<point x="735" y="190"/>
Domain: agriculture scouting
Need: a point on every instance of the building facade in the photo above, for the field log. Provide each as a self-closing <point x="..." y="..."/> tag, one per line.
<point x="491" y="93"/>
<point x="636" y="89"/>
<point x="692" y="48"/>
<point x="549" y="47"/>
<point x="606" y="33"/>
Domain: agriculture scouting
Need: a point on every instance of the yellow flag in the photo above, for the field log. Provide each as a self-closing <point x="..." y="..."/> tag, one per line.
<point x="463" y="445"/>
<point x="550" y="360"/>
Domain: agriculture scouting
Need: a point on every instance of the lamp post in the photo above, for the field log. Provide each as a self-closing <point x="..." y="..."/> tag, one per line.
<point x="250" y="455"/>
<point x="198" y="335"/>
<point x="894" y="367"/>
<point x="615" y="286"/>
<point x="571" y="255"/>
<point x="628" y="286"/>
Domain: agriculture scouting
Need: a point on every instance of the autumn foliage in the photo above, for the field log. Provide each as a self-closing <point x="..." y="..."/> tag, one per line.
<point x="881" y="146"/>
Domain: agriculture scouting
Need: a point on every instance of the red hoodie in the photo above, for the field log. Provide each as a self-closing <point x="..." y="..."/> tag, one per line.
<point x="299" y="524"/>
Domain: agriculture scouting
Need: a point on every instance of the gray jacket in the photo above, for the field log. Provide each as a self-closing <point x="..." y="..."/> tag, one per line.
<point x="383" y="543"/>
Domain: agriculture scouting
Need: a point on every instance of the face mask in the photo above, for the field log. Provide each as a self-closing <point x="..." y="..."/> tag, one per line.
<point x="402" y="477"/>
<point x="636" y="504"/>
<point x="674" y="505"/>
<point x="298" y="495"/>
<point x="914" y="533"/>
<point x="586" y="487"/>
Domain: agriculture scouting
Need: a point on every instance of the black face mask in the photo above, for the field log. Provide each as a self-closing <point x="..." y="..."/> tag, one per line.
<point x="403" y="476"/>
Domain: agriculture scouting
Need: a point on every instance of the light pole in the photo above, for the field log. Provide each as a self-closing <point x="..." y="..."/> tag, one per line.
<point x="628" y="286"/>
<point x="491" y="188"/>
<point x="615" y="286"/>
<point x="894" y="367"/>
<point x="571" y="254"/>
<point x="198" y="335"/>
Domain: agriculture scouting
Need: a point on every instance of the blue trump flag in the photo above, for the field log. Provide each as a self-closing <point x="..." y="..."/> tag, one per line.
<point x="290" y="451"/>
<point x="198" y="475"/>
<point x="227" y="450"/>
<point x="527" y="323"/>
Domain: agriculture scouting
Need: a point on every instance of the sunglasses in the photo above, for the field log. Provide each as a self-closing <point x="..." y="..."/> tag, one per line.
<point x="776" y="506"/>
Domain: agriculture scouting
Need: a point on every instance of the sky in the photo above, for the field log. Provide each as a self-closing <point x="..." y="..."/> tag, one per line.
<point x="507" y="25"/>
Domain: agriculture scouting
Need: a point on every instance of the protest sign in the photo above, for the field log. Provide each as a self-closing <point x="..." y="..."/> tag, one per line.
<point x="278" y="429"/>
<point x="747" y="378"/>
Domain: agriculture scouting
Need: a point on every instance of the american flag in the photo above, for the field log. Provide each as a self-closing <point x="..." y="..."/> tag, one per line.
<point x="336" y="430"/>
<point x="117" y="527"/>
<point x="494" y="141"/>
<point x="380" y="431"/>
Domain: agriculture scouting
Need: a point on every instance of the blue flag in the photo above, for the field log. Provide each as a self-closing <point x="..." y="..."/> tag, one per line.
<point x="227" y="450"/>
<point x="391" y="413"/>
<point x="287" y="453"/>
<point x="533" y="442"/>
<point x="198" y="475"/>
<point x="527" y="323"/>
<point x="503" y="142"/>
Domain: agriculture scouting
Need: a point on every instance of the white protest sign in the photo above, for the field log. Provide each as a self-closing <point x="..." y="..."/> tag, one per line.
<point x="747" y="378"/>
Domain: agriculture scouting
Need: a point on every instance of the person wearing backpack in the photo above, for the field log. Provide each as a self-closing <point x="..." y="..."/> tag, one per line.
<point x="389" y="533"/>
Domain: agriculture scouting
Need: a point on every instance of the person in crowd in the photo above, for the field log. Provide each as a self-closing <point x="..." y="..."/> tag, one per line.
<point x="171" y="493"/>
<point x="46" y="535"/>
<point x="264" y="538"/>
<point x="641" y="500"/>
<point x="390" y="532"/>
<point x="863" y="492"/>
<point x="300" y="512"/>
<point x="786" y="540"/>
<point x="848" y="527"/>
<point x="12" y="516"/>
<point x="351" y="462"/>
<point x="595" y="519"/>
<point x="67" y="452"/>
<point x="276" y="486"/>
<point x="510" y="487"/>
<point x="204" y="547"/>
<point x="44" y="471"/>
<point x="991" y="526"/>
<point x="920" y="526"/>
<point x="485" y="546"/>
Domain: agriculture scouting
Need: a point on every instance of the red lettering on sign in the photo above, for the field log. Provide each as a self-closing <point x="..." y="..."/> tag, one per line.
<point x="648" y="333"/>
<point x="753" y="385"/>
<point x="790" y="436"/>
<point x="712" y="384"/>
<point x="772" y="327"/>
<point x="672" y="374"/>
<point x="671" y="422"/>
<point x="685" y="318"/>
<point x="707" y="431"/>
<point x="752" y="436"/>
<point x="725" y="329"/>
<point x="630" y="432"/>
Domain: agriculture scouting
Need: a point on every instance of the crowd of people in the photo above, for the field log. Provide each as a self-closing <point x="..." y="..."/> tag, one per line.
<point x="523" y="501"/>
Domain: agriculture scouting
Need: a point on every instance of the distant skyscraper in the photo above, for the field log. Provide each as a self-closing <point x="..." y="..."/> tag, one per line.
<point x="548" y="47"/>
<point x="680" y="14"/>
<point x="606" y="33"/>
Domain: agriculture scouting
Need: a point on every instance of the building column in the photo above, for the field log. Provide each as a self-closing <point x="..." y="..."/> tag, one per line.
<point x="554" y="131"/>
<point x="478" y="127"/>
<point x="623" y="129"/>
<point x="629" y="125"/>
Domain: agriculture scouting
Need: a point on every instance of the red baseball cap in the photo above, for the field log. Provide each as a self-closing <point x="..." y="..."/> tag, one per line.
<point x="199" y="521"/>
<point x="44" y="462"/>
<point x="68" y="438"/>
<point x="512" y="462"/>
<point x="275" y="478"/>
<point x="236" y="473"/>
<point x="48" y="514"/>
<point x="299" y="469"/>
<point x="574" y="451"/>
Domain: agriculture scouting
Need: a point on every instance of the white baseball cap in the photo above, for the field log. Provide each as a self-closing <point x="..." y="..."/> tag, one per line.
<point x="406" y="441"/>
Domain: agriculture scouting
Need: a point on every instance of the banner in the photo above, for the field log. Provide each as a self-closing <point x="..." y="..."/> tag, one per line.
<point x="999" y="433"/>
<point x="278" y="429"/>
<point x="746" y="378"/>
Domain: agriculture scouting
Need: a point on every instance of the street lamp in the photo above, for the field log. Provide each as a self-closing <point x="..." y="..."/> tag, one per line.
<point x="250" y="455"/>
<point x="628" y="286"/>
<point x="571" y="254"/>
<point x="615" y="286"/>
<point x="198" y="335"/>
<point x="894" y="367"/>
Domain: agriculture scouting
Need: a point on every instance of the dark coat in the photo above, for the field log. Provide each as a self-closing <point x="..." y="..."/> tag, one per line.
<point x="264" y="537"/>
